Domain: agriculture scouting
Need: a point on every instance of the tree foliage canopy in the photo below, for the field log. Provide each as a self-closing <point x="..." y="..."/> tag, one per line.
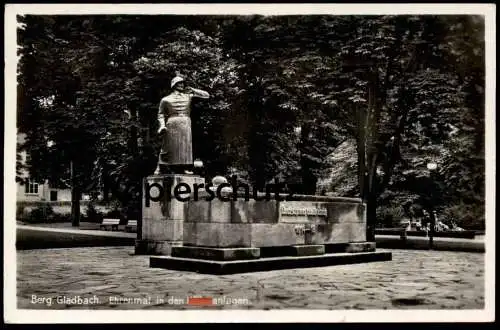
<point x="287" y="91"/>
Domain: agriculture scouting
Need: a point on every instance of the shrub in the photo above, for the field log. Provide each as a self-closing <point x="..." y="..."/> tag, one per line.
<point x="21" y="214"/>
<point x="466" y="216"/>
<point x="132" y="211"/>
<point x="58" y="217"/>
<point x="41" y="214"/>
<point x="390" y="216"/>
<point x="92" y="215"/>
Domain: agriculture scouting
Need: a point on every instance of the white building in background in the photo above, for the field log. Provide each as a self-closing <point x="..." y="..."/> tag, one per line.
<point x="38" y="191"/>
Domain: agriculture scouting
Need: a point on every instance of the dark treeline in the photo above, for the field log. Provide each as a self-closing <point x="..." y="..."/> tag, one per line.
<point x="286" y="92"/>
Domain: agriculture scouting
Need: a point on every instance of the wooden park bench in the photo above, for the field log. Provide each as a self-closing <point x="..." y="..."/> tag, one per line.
<point x="110" y="223"/>
<point x="131" y="226"/>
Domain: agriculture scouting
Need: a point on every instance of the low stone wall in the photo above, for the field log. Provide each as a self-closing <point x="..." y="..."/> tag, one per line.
<point x="422" y="243"/>
<point x="272" y="223"/>
<point x="469" y="234"/>
<point x="28" y="238"/>
<point x="223" y="222"/>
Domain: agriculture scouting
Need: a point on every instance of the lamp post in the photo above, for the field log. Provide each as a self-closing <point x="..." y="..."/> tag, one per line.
<point x="432" y="167"/>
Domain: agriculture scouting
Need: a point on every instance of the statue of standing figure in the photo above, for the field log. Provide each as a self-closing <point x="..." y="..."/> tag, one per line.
<point x="176" y="155"/>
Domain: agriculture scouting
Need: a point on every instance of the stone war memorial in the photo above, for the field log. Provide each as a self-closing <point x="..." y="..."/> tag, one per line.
<point x="220" y="227"/>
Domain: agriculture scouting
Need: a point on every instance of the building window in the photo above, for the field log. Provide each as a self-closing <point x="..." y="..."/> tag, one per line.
<point x="31" y="187"/>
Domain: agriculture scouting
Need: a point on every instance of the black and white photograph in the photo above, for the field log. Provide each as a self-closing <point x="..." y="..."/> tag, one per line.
<point x="251" y="163"/>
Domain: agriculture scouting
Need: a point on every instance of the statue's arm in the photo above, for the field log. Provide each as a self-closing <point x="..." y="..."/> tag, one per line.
<point x="161" y="115"/>
<point x="199" y="93"/>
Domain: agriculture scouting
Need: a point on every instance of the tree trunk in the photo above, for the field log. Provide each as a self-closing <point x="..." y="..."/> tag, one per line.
<point x="371" y="119"/>
<point x="105" y="184"/>
<point x="136" y="200"/>
<point x="75" y="199"/>
<point x="309" y="180"/>
<point x="361" y="150"/>
<point x="432" y="229"/>
<point x="75" y="207"/>
<point x="371" y="216"/>
<point x="134" y="148"/>
<point x="257" y="149"/>
<point x="362" y="168"/>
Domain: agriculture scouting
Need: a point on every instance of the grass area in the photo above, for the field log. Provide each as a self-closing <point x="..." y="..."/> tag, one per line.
<point x="68" y="225"/>
<point x="27" y="239"/>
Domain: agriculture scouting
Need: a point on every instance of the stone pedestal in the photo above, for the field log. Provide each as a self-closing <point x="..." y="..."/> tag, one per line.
<point x="193" y="228"/>
<point x="163" y="215"/>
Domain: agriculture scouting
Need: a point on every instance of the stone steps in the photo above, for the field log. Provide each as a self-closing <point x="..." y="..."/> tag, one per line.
<point x="218" y="267"/>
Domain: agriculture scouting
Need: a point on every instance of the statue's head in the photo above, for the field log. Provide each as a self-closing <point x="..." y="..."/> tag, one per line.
<point x="177" y="83"/>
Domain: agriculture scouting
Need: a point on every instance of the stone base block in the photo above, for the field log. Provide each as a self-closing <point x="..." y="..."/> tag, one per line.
<point x="265" y="264"/>
<point x="159" y="202"/>
<point x="225" y="235"/>
<point x="207" y="253"/>
<point x="361" y="247"/>
<point x="350" y="247"/>
<point x="217" y="235"/>
<point x="150" y="247"/>
<point x="293" y="251"/>
<point x="162" y="230"/>
<point x="307" y="250"/>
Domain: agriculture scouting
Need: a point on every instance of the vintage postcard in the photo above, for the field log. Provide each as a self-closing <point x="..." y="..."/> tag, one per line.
<point x="249" y="163"/>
